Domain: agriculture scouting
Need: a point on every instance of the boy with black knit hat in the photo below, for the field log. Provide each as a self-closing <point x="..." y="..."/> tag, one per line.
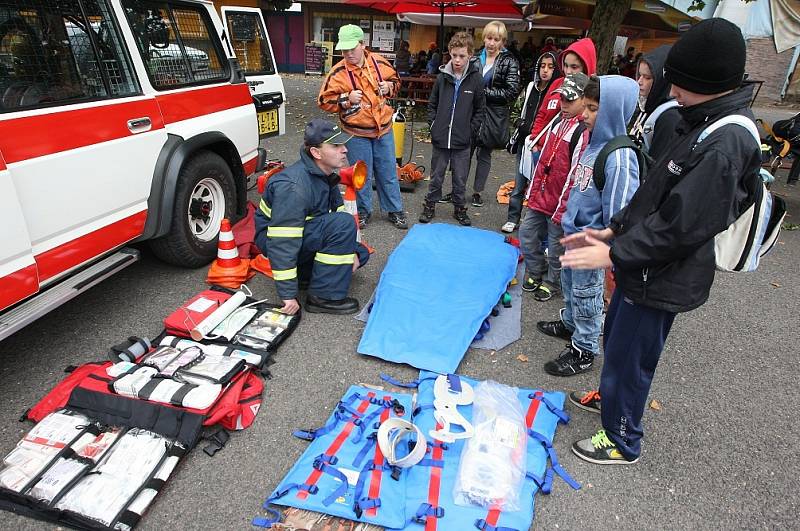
<point x="662" y="244"/>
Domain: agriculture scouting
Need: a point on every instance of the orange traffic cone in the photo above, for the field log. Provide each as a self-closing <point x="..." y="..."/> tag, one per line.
<point x="228" y="270"/>
<point x="261" y="264"/>
<point x="353" y="178"/>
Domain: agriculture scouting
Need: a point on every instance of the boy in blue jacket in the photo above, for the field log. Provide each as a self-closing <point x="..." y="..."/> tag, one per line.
<point x="609" y="104"/>
<point x="455" y="112"/>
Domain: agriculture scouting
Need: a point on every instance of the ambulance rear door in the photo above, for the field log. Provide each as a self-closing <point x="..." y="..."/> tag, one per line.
<point x="248" y="36"/>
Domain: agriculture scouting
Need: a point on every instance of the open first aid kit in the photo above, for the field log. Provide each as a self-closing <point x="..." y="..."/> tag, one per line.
<point x="231" y="318"/>
<point x="72" y="470"/>
<point x="460" y="454"/>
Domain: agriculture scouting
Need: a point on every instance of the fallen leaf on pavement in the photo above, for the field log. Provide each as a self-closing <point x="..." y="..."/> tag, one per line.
<point x="775" y="284"/>
<point x="523" y="358"/>
<point x="655" y="404"/>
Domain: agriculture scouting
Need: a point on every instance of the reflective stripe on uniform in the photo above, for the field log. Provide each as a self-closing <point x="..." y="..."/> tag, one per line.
<point x="335" y="259"/>
<point x="285" y="232"/>
<point x="309" y="218"/>
<point x="340" y="208"/>
<point x="284" y="274"/>
<point x="265" y="208"/>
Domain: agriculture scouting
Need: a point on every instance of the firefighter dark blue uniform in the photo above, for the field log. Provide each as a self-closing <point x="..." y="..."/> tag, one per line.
<point x="301" y="226"/>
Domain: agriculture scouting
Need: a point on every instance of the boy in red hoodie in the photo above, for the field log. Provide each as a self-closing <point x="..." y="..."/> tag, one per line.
<point x="580" y="56"/>
<point x="549" y="191"/>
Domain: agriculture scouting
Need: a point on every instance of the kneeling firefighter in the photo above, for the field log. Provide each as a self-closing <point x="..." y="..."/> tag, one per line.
<point x="301" y="226"/>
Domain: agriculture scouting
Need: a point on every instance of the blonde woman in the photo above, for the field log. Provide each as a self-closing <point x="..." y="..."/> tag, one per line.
<point x="500" y="71"/>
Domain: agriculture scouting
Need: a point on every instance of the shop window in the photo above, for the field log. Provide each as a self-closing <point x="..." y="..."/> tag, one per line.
<point x="177" y="42"/>
<point x="56" y="51"/>
<point x="250" y="43"/>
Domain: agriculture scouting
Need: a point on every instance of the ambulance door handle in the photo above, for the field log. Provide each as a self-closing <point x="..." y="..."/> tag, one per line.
<point x="139" y="125"/>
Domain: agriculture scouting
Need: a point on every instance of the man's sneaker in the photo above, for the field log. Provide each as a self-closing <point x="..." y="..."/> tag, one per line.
<point x="362" y="221"/>
<point x="398" y="219"/>
<point x="508" y="227"/>
<point x="530" y="283"/>
<point x="589" y="401"/>
<point x="554" y="329"/>
<point x="599" y="449"/>
<point x="570" y="362"/>
<point x="542" y="293"/>
<point x="476" y="200"/>
<point x="428" y="212"/>
<point x="447" y="198"/>
<point x="460" y="214"/>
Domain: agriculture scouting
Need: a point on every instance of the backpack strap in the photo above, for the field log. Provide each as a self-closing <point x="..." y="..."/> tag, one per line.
<point x="736" y="119"/>
<point x="618" y="142"/>
<point x="576" y="136"/>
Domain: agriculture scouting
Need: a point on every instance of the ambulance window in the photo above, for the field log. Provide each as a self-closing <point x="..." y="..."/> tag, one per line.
<point x="177" y="42"/>
<point x="250" y="43"/>
<point x="54" y="52"/>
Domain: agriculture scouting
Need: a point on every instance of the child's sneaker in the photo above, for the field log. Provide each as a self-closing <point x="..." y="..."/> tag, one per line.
<point x="589" y="401"/>
<point x="531" y="284"/>
<point x="599" y="449"/>
<point x="555" y="329"/>
<point x="476" y="200"/>
<point x="447" y="198"/>
<point x="570" y="361"/>
<point x="508" y="227"/>
<point x="398" y="219"/>
<point x="542" y="293"/>
<point x="460" y="214"/>
<point x="428" y="212"/>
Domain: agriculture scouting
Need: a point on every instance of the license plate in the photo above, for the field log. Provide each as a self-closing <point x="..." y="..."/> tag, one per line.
<point x="268" y="123"/>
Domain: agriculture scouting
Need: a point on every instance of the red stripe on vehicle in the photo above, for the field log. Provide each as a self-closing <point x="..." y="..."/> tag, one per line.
<point x="88" y="246"/>
<point x="29" y="137"/>
<point x="179" y="106"/>
<point x="334" y="447"/>
<point x="435" y="483"/>
<point x="494" y="512"/>
<point x="375" y="480"/>
<point x="18" y="285"/>
<point x="250" y="166"/>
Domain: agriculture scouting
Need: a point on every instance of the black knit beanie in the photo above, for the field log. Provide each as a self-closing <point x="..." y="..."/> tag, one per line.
<point x="708" y="59"/>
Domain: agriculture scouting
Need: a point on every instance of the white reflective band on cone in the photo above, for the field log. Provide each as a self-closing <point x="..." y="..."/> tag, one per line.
<point x="394" y="432"/>
<point x="228" y="253"/>
<point x="226" y="236"/>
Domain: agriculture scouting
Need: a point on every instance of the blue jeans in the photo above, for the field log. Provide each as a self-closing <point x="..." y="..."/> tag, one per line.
<point x="583" y="312"/>
<point x="517" y="197"/>
<point x="378" y="153"/>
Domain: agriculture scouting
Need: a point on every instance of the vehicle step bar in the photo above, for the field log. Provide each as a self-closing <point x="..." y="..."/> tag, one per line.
<point x="71" y="287"/>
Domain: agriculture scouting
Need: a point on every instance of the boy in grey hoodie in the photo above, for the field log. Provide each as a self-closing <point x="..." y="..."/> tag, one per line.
<point x="609" y="105"/>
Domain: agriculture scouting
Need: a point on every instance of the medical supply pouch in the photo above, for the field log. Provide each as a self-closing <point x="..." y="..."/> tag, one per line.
<point x="90" y="390"/>
<point x="258" y="328"/>
<point x="72" y="470"/>
<point x="343" y="472"/>
<point x="430" y="503"/>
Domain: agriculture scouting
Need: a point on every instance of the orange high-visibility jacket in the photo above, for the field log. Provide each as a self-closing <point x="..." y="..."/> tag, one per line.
<point x="372" y="118"/>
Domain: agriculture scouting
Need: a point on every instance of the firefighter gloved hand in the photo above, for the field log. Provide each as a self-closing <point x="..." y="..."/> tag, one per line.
<point x="290" y="307"/>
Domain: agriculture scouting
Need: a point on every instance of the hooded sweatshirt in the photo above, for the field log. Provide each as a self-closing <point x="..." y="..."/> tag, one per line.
<point x="587" y="207"/>
<point x="653" y="124"/>
<point x="583" y="48"/>
<point x="534" y="96"/>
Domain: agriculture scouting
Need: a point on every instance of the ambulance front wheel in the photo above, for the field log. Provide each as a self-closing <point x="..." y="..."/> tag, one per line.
<point x="205" y="194"/>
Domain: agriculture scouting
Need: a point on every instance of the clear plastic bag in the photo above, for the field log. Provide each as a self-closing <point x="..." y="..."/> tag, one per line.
<point x="493" y="460"/>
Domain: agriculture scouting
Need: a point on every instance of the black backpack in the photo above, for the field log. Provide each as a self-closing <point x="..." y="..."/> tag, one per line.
<point x="618" y="142"/>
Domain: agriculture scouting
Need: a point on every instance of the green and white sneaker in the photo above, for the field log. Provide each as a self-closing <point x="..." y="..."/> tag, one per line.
<point x="599" y="449"/>
<point x="531" y="284"/>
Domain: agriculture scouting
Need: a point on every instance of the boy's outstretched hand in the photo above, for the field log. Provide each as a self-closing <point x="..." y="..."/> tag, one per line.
<point x="587" y="250"/>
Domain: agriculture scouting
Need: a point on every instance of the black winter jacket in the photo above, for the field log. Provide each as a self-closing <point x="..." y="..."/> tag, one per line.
<point x="501" y="92"/>
<point x="663" y="252"/>
<point x="454" y="128"/>
<point x="292" y="196"/>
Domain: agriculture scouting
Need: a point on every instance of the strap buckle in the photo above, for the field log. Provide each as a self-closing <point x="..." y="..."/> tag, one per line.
<point x="217" y="442"/>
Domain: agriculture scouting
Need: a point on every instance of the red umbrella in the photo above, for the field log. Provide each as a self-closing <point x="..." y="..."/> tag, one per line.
<point x="484" y="7"/>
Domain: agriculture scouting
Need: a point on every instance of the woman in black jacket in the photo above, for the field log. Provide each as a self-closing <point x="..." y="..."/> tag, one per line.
<point x="500" y="71"/>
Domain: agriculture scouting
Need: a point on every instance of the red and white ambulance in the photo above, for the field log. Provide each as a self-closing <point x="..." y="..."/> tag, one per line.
<point x="120" y="121"/>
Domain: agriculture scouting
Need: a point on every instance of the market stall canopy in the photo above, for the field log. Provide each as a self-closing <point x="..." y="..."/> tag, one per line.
<point x="643" y="15"/>
<point x="779" y="19"/>
<point x="466" y="21"/>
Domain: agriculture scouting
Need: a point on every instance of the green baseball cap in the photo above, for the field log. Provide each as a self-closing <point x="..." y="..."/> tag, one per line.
<point x="349" y="37"/>
<point x="573" y="85"/>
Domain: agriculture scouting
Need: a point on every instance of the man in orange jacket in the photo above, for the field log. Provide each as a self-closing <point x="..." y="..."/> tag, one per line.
<point x="357" y="88"/>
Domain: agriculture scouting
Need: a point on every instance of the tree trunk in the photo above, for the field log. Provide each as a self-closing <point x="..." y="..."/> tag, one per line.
<point x="606" y="20"/>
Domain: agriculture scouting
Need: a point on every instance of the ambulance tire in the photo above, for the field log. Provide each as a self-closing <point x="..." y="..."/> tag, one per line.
<point x="206" y="173"/>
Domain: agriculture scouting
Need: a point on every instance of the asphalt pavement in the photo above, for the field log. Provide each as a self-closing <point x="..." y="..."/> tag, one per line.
<point x="720" y="451"/>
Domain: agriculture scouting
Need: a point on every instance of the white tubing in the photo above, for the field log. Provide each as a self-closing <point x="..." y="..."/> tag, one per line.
<point x="219" y="315"/>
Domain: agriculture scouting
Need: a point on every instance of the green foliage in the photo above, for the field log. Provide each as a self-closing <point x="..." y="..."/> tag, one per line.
<point x="699" y="5"/>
